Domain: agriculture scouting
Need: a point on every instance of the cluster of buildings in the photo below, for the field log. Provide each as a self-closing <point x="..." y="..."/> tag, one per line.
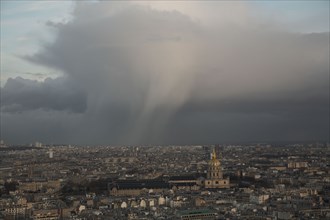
<point x="256" y="181"/>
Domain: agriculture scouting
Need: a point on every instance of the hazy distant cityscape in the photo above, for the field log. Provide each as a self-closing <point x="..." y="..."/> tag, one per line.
<point x="165" y="182"/>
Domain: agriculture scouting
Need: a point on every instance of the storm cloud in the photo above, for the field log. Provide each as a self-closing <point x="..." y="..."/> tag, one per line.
<point x="134" y="74"/>
<point x="19" y="95"/>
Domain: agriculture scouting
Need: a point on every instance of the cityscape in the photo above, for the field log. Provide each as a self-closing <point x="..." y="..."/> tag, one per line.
<point x="254" y="181"/>
<point x="176" y="110"/>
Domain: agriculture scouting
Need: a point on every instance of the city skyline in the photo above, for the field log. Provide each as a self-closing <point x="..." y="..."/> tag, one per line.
<point x="164" y="72"/>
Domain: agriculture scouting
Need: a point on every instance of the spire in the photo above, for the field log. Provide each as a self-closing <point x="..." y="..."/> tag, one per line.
<point x="214" y="155"/>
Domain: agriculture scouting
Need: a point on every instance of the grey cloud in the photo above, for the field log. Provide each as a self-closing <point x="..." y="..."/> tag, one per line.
<point x="38" y="75"/>
<point x="150" y="76"/>
<point x="20" y="95"/>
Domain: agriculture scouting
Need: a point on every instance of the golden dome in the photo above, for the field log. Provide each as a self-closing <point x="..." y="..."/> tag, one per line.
<point x="214" y="161"/>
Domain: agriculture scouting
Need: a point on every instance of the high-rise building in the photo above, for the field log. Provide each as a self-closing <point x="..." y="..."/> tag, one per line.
<point x="51" y="154"/>
<point x="2" y="143"/>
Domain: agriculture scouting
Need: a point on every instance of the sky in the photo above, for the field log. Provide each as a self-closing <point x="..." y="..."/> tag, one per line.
<point x="164" y="72"/>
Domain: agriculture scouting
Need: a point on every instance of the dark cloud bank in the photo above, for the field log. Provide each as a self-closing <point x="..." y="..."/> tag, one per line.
<point x="144" y="76"/>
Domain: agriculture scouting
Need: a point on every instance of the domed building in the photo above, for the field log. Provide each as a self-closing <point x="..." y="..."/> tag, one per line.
<point x="214" y="178"/>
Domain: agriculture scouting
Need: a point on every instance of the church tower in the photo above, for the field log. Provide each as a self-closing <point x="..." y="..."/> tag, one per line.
<point x="214" y="174"/>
